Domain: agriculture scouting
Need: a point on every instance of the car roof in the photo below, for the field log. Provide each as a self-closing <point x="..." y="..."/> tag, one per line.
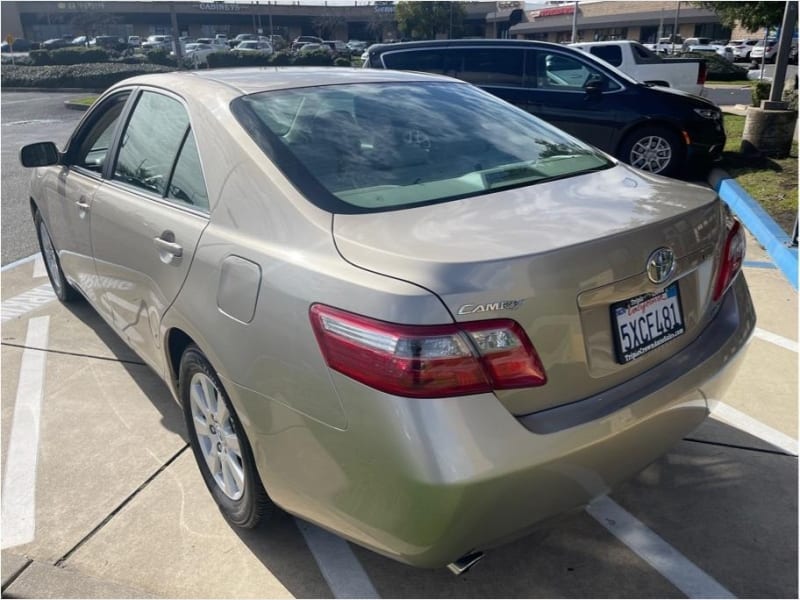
<point x="242" y="81"/>
<point x="464" y="43"/>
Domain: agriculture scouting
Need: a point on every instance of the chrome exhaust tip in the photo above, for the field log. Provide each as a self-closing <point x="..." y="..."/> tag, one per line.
<point x="465" y="563"/>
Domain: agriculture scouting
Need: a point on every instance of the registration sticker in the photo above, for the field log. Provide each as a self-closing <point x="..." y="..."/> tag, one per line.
<point x="644" y="323"/>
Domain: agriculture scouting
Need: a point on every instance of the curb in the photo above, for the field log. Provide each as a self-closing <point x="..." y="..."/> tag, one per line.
<point x="75" y="105"/>
<point x="776" y="241"/>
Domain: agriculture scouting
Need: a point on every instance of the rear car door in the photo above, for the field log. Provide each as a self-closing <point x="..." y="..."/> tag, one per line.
<point x="148" y="219"/>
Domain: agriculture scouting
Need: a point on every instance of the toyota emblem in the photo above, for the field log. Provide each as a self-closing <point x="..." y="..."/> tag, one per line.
<point x="660" y="265"/>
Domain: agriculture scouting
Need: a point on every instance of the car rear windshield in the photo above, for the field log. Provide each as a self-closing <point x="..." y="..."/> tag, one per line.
<point x="369" y="147"/>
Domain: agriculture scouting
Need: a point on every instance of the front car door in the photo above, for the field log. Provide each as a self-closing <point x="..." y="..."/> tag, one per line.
<point x="72" y="188"/>
<point x="148" y="219"/>
<point x="558" y="89"/>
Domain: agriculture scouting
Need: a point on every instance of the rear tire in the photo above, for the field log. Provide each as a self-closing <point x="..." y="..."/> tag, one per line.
<point x="219" y="443"/>
<point x="63" y="290"/>
<point x="654" y="149"/>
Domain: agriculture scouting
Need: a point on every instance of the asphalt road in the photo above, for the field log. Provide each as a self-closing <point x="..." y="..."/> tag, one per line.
<point x="26" y="117"/>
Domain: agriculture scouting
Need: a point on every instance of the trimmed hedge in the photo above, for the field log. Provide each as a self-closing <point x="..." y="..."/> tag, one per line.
<point x="760" y="92"/>
<point x="160" y="56"/>
<point x="90" y="76"/>
<point x="313" y="59"/>
<point x="219" y="60"/>
<point x="68" y="56"/>
<point x="719" y="68"/>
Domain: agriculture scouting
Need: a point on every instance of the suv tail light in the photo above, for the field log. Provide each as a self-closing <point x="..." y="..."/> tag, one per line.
<point x="427" y="361"/>
<point x="732" y="258"/>
<point x="702" y="73"/>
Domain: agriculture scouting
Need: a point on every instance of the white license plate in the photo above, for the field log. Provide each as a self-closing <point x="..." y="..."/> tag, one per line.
<point x="646" y="322"/>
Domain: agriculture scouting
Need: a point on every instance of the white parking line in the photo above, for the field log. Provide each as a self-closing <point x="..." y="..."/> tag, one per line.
<point x="38" y="267"/>
<point x="776" y="339"/>
<point x="26" y="302"/>
<point x="337" y="563"/>
<point x="746" y="423"/>
<point x="19" y="480"/>
<point x="679" y="570"/>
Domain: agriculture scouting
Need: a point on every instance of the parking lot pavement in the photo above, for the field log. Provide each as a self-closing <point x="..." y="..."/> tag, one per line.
<point x="101" y="497"/>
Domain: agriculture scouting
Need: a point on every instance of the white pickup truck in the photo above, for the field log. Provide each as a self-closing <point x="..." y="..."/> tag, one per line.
<point x="633" y="59"/>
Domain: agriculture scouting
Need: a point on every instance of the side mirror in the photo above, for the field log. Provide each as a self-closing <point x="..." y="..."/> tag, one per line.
<point x="595" y="85"/>
<point x="40" y="154"/>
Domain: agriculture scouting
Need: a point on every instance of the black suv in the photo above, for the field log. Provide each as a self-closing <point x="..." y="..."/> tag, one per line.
<point x="657" y="129"/>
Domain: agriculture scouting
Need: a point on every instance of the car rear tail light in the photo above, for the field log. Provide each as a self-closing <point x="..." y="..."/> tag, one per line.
<point x="702" y="73"/>
<point x="427" y="361"/>
<point x="732" y="258"/>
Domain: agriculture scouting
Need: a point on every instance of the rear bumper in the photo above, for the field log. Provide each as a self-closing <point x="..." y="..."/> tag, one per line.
<point x="426" y="481"/>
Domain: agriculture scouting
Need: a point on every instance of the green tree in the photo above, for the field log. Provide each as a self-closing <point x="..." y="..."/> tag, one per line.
<point x="751" y="15"/>
<point x="423" y="20"/>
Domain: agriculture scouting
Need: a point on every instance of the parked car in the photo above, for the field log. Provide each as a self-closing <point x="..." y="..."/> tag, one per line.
<point x="311" y="47"/>
<point x="396" y="306"/>
<point x="766" y="50"/>
<point x="197" y="53"/>
<point x="158" y="42"/>
<point x="741" y="49"/>
<point x="134" y="41"/>
<point x="55" y="44"/>
<point x="216" y="43"/>
<point x="304" y="39"/>
<point x="253" y="47"/>
<point x="337" y="47"/>
<point x="356" y="46"/>
<point x="723" y="51"/>
<point x="654" y="128"/>
<point x="695" y="41"/>
<point x="665" y="45"/>
<point x="109" y="42"/>
<point x="19" y="45"/>
<point x="632" y="58"/>
<point x="241" y="38"/>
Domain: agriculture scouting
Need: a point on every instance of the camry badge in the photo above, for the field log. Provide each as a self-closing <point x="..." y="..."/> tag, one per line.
<point x="469" y="309"/>
<point x="660" y="265"/>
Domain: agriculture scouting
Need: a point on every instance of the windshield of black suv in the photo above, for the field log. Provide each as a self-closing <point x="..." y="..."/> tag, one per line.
<point x="373" y="146"/>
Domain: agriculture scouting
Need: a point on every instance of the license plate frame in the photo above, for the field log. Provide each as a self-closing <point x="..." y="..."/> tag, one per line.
<point x="659" y="312"/>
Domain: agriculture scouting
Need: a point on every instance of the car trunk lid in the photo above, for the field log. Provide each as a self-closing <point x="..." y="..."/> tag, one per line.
<point x="554" y="257"/>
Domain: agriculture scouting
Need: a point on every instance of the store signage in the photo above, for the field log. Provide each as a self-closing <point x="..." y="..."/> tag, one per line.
<point x="552" y="12"/>
<point x="384" y="7"/>
<point x="220" y="7"/>
<point x="81" y="5"/>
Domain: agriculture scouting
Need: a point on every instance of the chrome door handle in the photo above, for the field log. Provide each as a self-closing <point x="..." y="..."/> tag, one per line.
<point x="169" y="247"/>
<point x="82" y="203"/>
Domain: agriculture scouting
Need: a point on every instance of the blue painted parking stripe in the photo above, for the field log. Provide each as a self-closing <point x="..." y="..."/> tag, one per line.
<point x="759" y="264"/>
<point x="761" y="225"/>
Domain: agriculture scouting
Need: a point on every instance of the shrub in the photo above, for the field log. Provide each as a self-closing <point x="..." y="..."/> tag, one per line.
<point x="94" y="76"/>
<point x="219" y="60"/>
<point x="790" y="97"/>
<point x="342" y="62"/>
<point x="760" y="92"/>
<point x="160" y="56"/>
<point x="68" y="56"/>
<point x="315" y="59"/>
<point x="280" y="59"/>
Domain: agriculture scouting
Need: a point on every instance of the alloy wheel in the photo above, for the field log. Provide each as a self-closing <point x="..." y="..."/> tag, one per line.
<point x="216" y="435"/>
<point x="651" y="153"/>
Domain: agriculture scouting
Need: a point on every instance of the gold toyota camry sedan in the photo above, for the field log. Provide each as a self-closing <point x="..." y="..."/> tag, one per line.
<point x="391" y="303"/>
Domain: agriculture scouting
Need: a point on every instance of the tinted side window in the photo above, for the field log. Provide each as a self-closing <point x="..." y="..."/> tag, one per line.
<point x="187" y="185"/>
<point x="561" y="72"/>
<point x="492" y="66"/>
<point x="611" y="54"/>
<point x="430" y="61"/>
<point x="150" y="142"/>
<point x="93" y="142"/>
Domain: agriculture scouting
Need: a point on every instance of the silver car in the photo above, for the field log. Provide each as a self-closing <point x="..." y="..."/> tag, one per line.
<point x="391" y="303"/>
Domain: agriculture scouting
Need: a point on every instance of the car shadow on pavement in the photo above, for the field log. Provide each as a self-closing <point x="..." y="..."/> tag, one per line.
<point x="142" y="375"/>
